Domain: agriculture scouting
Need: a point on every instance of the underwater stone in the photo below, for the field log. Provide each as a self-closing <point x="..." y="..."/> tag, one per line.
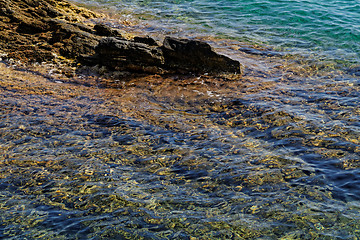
<point x="124" y="139"/>
<point x="105" y="120"/>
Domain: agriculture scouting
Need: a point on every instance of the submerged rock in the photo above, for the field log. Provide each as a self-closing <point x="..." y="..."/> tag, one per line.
<point x="354" y="71"/>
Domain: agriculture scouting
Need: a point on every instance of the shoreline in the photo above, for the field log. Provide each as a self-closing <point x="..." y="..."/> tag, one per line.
<point x="52" y="42"/>
<point x="257" y="64"/>
<point x="53" y="32"/>
<point x="62" y="67"/>
<point x="155" y="21"/>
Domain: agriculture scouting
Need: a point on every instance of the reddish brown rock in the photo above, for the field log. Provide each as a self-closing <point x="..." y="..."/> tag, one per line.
<point x="28" y="32"/>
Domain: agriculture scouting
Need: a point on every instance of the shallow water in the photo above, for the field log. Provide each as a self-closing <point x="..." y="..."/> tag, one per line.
<point x="322" y="29"/>
<point x="271" y="155"/>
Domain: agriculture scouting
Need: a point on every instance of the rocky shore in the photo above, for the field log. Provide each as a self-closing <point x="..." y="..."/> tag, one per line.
<point x="41" y="31"/>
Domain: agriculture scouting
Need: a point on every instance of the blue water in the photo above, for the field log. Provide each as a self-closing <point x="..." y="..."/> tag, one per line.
<point x="323" y="28"/>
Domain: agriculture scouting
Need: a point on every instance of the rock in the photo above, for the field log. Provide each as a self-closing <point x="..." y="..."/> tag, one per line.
<point x="31" y="26"/>
<point x="253" y="51"/>
<point x="73" y="40"/>
<point x="105" y="120"/>
<point x="103" y="30"/>
<point x="196" y="56"/>
<point x="32" y="30"/>
<point x="39" y="30"/>
<point x="129" y="55"/>
<point x="147" y="40"/>
<point x="124" y="139"/>
<point x="175" y="56"/>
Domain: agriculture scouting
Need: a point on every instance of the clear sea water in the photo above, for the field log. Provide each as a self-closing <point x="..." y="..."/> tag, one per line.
<point x="274" y="154"/>
<point x="324" y="28"/>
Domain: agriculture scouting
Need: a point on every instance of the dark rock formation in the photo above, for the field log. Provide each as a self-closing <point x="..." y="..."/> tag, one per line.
<point x="40" y="30"/>
<point x="175" y="56"/>
<point x="129" y="55"/>
<point x="196" y="56"/>
<point x="147" y="40"/>
<point x="71" y="39"/>
<point x="103" y="30"/>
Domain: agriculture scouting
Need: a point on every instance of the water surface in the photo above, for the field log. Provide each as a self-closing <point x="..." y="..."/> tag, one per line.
<point x="321" y="29"/>
<point x="271" y="155"/>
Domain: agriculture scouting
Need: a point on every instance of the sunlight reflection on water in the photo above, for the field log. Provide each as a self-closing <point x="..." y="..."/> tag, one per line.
<point x="273" y="155"/>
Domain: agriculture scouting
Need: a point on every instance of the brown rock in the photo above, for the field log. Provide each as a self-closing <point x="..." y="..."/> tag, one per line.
<point x="74" y="40"/>
<point x="38" y="30"/>
<point x="28" y="26"/>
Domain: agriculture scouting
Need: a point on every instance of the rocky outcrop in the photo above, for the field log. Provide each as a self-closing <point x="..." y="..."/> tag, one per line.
<point x="122" y="54"/>
<point x="40" y="30"/>
<point x="106" y="31"/>
<point x="196" y="56"/>
<point x="72" y="39"/>
<point x="174" y="56"/>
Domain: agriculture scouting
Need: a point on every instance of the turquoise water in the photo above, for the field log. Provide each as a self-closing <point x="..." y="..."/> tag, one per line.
<point x="324" y="28"/>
